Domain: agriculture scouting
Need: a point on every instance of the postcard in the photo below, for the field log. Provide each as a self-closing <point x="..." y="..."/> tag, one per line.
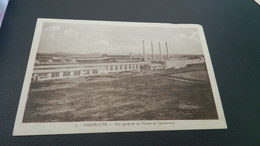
<point x="257" y="1"/>
<point x="102" y="76"/>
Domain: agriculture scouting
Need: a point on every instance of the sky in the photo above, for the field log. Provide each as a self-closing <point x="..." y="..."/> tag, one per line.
<point x="3" y="5"/>
<point x="115" y="39"/>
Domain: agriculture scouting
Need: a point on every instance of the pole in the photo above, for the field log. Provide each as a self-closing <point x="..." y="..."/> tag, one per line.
<point x="144" y="52"/>
<point x="160" y="52"/>
<point x="168" y="57"/>
<point x="152" y="50"/>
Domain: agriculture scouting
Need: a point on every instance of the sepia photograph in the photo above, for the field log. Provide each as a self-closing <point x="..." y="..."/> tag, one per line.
<point x="103" y="76"/>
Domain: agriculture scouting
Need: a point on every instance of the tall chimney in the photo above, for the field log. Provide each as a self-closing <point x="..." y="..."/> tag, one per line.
<point x="168" y="58"/>
<point x="131" y="59"/>
<point x="152" y="50"/>
<point x="144" y="55"/>
<point x="160" y="52"/>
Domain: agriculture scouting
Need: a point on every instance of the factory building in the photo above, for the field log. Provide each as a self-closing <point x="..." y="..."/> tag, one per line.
<point x="62" y="66"/>
<point x="154" y="66"/>
<point x="49" y="72"/>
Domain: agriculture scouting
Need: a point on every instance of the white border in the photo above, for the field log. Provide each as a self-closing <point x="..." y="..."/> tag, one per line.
<point x="80" y="127"/>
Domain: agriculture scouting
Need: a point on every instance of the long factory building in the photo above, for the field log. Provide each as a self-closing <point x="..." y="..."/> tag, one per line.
<point x="48" y="72"/>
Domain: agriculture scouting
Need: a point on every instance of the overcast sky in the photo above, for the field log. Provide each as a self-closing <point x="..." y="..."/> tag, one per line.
<point x="110" y="39"/>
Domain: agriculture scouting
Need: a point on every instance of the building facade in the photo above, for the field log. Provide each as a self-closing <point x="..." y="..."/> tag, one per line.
<point x="50" y="72"/>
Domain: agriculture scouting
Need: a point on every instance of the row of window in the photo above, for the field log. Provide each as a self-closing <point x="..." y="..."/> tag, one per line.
<point x="122" y="67"/>
<point x="66" y="74"/>
<point x="77" y="73"/>
<point x="55" y="74"/>
<point x="42" y="74"/>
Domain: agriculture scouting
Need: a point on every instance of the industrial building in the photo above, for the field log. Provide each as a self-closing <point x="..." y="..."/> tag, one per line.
<point x="49" y="72"/>
<point x="62" y="66"/>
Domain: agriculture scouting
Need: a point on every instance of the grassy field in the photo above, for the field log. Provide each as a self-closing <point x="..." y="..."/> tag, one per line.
<point x="172" y="94"/>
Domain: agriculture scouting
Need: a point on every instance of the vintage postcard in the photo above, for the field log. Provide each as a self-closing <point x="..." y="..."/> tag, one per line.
<point x="102" y="76"/>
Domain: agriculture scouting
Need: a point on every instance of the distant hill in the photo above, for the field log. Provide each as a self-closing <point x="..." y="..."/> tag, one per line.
<point x="95" y="55"/>
<point x="71" y="54"/>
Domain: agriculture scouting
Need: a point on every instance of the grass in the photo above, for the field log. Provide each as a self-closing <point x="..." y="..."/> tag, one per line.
<point x="173" y="94"/>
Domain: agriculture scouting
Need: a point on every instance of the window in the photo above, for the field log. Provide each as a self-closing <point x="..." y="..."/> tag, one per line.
<point x="121" y="67"/>
<point x="125" y="66"/>
<point x="76" y="73"/>
<point x="95" y="71"/>
<point x="116" y="67"/>
<point x="136" y="66"/>
<point x="86" y="72"/>
<point x="55" y="74"/>
<point x="130" y="66"/>
<point x="111" y="67"/>
<point x="66" y="74"/>
<point x="42" y="74"/>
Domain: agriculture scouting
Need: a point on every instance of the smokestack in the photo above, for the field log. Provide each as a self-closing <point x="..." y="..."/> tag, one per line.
<point x="144" y="55"/>
<point x="160" y="52"/>
<point x="152" y="50"/>
<point x="168" y="58"/>
<point x="131" y="57"/>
